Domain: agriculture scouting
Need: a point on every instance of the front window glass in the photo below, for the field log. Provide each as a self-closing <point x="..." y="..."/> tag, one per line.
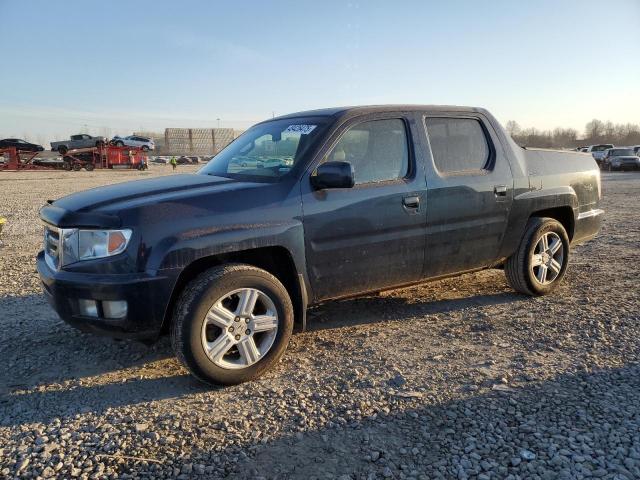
<point x="267" y="151"/>
<point x="621" y="152"/>
<point x="600" y="148"/>
<point x="377" y="150"/>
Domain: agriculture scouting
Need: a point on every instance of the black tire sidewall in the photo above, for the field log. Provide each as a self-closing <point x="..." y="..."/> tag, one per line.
<point x="548" y="225"/>
<point x="194" y="354"/>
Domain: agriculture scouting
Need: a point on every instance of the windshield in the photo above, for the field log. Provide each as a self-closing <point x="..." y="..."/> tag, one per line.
<point x="267" y="151"/>
<point x="622" y="152"/>
<point x="600" y="148"/>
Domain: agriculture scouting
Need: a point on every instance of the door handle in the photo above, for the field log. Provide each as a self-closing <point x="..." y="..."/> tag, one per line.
<point x="412" y="201"/>
<point x="500" y="190"/>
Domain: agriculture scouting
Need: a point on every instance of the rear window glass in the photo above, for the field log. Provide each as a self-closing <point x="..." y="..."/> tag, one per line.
<point x="458" y="144"/>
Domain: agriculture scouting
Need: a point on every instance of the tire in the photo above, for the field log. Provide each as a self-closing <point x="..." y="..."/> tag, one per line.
<point x="62" y="150"/>
<point x="192" y="327"/>
<point x="76" y="167"/>
<point x="145" y="148"/>
<point x="119" y="144"/>
<point x="89" y="167"/>
<point x="520" y="269"/>
<point x="67" y="166"/>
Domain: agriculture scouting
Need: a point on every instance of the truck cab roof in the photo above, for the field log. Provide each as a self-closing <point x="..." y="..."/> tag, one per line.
<point x="365" y="109"/>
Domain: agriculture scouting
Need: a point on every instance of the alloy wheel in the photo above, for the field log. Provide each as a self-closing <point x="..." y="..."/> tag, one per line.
<point x="240" y="328"/>
<point x="547" y="258"/>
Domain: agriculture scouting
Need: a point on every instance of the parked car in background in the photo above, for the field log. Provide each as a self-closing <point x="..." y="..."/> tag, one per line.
<point x="376" y="198"/>
<point x="597" y="151"/>
<point x="620" y="158"/>
<point x="144" y="143"/>
<point x="21" y="145"/>
<point x="162" y="160"/>
<point x="81" y="140"/>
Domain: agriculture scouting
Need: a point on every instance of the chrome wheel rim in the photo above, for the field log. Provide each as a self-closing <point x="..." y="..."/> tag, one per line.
<point x="547" y="258"/>
<point x="240" y="328"/>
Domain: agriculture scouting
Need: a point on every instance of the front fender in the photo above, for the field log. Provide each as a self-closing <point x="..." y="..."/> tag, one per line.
<point x="179" y="251"/>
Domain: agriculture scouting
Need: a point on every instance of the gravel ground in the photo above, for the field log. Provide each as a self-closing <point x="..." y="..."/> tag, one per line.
<point x="459" y="378"/>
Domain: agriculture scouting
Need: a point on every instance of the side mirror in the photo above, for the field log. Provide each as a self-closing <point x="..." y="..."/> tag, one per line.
<point x="333" y="175"/>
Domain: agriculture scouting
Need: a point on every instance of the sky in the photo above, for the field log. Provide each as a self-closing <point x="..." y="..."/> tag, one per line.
<point x="112" y="67"/>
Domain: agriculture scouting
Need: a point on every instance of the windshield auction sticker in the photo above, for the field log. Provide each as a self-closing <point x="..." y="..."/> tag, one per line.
<point x="302" y="129"/>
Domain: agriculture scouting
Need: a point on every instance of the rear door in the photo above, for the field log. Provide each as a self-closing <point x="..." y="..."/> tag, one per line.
<point x="469" y="196"/>
<point x="372" y="235"/>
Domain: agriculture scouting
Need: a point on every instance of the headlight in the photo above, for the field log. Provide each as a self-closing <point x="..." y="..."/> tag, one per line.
<point x="78" y="245"/>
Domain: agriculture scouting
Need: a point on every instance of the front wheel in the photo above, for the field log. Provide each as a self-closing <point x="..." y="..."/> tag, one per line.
<point x="231" y="324"/>
<point x="541" y="259"/>
<point x="145" y="148"/>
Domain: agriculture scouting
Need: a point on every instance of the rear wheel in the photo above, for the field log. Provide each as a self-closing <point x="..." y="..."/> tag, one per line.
<point x="231" y="324"/>
<point x="541" y="260"/>
<point x="66" y="165"/>
<point x="62" y="150"/>
<point x="89" y="167"/>
<point x="77" y="167"/>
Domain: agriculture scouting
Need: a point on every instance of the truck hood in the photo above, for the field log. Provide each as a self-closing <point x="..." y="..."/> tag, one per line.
<point x="101" y="206"/>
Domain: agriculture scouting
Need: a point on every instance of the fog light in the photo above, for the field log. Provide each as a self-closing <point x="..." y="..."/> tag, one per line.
<point x="88" y="308"/>
<point x="114" y="308"/>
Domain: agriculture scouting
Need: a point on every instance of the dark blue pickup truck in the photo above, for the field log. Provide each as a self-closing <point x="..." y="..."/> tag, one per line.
<point x="306" y="208"/>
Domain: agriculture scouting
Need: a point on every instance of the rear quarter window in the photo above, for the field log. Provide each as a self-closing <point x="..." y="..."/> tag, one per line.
<point x="458" y="145"/>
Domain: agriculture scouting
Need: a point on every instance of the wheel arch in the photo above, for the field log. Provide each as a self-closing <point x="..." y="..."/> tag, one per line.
<point x="276" y="260"/>
<point x="563" y="214"/>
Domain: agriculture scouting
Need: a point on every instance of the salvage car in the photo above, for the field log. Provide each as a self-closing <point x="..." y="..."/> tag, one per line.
<point x="143" y="143"/>
<point x="20" y="144"/>
<point x="598" y="151"/>
<point x="227" y="260"/>
<point x="81" y="140"/>
<point x="621" y="158"/>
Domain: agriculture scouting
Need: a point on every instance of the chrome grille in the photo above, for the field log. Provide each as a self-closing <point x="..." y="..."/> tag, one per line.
<point x="52" y="250"/>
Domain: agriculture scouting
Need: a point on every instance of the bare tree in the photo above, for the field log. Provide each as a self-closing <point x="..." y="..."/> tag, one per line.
<point x="513" y="128"/>
<point x="594" y="130"/>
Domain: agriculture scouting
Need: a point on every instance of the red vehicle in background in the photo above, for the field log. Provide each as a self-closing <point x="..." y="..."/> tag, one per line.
<point x="104" y="156"/>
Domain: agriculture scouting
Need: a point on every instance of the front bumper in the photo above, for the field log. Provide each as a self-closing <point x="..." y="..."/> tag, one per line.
<point x="147" y="299"/>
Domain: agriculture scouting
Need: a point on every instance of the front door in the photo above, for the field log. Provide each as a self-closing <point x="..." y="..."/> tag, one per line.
<point x="372" y="235"/>
<point x="469" y="196"/>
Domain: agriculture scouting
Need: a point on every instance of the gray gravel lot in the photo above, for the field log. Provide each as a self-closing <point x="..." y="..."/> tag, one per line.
<point x="460" y="378"/>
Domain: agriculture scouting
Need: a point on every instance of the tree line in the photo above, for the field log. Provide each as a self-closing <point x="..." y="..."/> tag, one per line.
<point x="596" y="131"/>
